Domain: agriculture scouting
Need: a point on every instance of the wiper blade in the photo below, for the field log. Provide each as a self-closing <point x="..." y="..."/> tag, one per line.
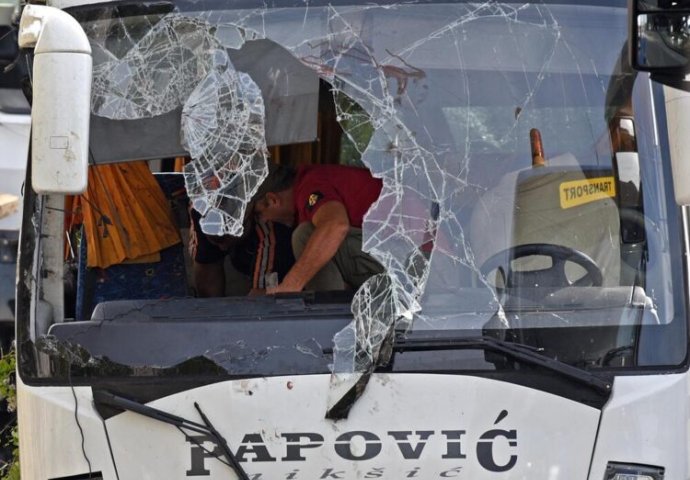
<point x="108" y="399"/>
<point x="523" y="353"/>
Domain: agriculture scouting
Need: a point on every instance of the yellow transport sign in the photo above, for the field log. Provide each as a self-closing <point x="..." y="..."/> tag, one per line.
<point x="580" y="192"/>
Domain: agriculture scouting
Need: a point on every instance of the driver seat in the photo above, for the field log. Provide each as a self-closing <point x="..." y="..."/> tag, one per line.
<point x="550" y="205"/>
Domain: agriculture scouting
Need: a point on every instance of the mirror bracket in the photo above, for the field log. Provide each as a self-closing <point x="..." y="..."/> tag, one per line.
<point x="680" y="82"/>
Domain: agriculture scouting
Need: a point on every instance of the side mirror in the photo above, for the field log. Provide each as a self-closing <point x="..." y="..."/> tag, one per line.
<point x="61" y="105"/>
<point x="659" y="40"/>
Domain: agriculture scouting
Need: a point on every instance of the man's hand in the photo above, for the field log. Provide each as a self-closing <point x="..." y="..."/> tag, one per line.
<point x="282" y="288"/>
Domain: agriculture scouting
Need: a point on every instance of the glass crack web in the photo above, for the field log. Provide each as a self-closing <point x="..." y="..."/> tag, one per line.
<point x="180" y="64"/>
<point x="383" y="58"/>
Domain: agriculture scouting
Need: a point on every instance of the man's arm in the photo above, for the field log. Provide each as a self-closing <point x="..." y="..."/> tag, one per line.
<point x="209" y="279"/>
<point x="331" y="226"/>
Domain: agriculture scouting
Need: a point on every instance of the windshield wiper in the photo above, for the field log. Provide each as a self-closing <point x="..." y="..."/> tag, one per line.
<point x="102" y="397"/>
<point x="523" y="353"/>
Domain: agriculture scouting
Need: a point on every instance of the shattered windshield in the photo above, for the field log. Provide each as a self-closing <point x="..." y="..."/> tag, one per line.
<point x="523" y="179"/>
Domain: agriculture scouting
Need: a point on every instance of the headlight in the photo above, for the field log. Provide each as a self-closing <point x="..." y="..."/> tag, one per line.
<point x="627" y="471"/>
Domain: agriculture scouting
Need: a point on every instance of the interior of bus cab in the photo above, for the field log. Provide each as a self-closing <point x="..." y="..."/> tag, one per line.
<point x="543" y="231"/>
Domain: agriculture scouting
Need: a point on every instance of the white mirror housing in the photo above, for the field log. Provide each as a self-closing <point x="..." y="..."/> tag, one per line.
<point x="61" y="104"/>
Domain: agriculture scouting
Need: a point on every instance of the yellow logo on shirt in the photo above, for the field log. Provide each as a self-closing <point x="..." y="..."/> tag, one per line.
<point x="313" y="198"/>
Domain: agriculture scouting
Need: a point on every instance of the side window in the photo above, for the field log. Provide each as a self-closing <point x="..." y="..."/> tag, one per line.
<point x="356" y="127"/>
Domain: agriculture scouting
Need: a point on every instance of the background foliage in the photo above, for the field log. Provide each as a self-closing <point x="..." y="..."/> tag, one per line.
<point x="9" y="439"/>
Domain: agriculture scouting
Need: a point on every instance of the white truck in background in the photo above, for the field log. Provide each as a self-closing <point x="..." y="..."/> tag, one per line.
<point x="15" y="128"/>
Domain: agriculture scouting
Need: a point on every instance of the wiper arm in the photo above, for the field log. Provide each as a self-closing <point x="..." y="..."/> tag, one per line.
<point x="106" y="398"/>
<point x="523" y="353"/>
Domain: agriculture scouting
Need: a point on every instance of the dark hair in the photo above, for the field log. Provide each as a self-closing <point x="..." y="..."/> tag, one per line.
<point x="280" y="178"/>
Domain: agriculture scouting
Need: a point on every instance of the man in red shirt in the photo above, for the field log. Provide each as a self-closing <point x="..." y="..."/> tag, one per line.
<point x="328" y="204"/>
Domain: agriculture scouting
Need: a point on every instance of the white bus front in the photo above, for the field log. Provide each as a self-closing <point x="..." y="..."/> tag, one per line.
<point x="531" y="322"/>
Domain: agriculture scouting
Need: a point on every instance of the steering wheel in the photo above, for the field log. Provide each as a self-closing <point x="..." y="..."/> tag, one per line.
<point x="553" y="276"/>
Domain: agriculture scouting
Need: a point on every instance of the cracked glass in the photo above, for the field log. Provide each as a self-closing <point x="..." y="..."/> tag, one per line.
<point x="522" y="174"/>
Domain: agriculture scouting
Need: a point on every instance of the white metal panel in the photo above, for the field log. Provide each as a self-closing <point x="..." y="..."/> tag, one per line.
<point x="50" y="441"/>
<point x="545" y="436"/>
<point x="646" y="422"/>
<point x="546" y="446"/>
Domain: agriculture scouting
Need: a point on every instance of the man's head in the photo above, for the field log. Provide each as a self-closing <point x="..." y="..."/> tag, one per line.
<point x="274" y="200"/>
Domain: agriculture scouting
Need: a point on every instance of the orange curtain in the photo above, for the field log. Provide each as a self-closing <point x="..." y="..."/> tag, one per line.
<point x="125" y="214"/>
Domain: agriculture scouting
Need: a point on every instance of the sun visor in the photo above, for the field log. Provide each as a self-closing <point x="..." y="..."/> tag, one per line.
<point x="291" y="97"/>
<point x="290" y="91"/>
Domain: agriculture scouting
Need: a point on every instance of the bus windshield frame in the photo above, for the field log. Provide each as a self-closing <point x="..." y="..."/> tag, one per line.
<point x="449" y="135"/>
